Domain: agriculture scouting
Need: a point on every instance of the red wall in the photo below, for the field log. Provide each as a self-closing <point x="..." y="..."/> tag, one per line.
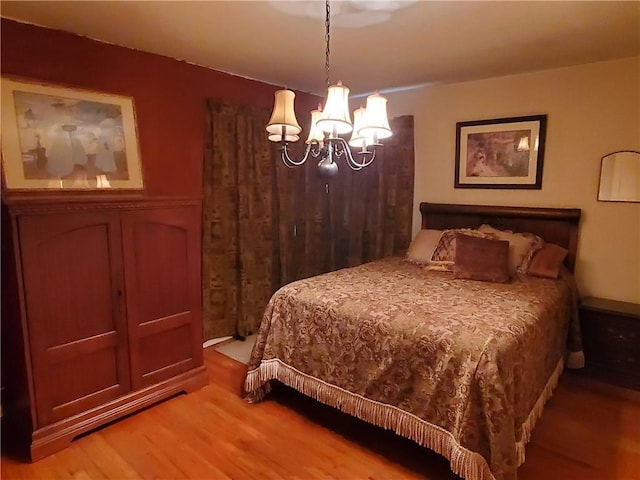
<point x="169" y="95"/>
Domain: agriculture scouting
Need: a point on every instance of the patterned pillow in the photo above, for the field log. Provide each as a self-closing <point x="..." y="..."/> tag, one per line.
<point x="444" y="256"/>
<point x="446" y="249"/>
<point x="526" y="263"/>
<point x="521" y="246"/>
<point x="446" y="266"/>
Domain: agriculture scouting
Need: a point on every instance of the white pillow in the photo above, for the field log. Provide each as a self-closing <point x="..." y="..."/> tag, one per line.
<point x="423" y="245"/>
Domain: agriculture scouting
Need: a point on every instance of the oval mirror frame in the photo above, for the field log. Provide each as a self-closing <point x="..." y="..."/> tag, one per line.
<point x="620" y="177"/>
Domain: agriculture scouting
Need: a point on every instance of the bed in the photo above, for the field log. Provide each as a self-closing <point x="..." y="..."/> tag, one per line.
<point x="462" y="367"/>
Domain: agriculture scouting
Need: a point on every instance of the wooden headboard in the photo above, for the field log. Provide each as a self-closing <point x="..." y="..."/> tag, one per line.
<point x="554" y="225"/>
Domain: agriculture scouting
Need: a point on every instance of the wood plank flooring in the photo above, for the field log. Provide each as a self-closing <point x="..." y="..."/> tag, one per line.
<point x="589" y="431"/>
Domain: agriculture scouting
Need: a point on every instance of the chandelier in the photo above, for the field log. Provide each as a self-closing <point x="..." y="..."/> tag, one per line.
<point x="324" y="142"/>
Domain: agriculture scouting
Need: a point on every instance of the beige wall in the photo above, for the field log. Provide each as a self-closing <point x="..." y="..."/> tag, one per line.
<point x="592" y="110"/>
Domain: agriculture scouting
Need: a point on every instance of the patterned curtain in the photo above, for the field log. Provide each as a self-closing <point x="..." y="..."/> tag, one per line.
<point x="371" y="210"/>
<point x="266" y="225"/>
<point x="358" y="217"/>
<point x="240" y="226"/>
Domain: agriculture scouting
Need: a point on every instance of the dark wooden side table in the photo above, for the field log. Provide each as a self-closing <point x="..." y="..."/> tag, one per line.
<point x="611" y="340"/>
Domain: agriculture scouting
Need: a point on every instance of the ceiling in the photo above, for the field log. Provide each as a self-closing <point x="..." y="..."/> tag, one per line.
<point x="375" y="45"/>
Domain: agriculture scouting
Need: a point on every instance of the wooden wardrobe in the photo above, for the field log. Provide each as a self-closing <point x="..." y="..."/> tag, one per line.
<point x="101" y="311"/>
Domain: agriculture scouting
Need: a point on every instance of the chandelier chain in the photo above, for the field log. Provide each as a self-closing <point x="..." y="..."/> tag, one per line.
<point x="327" y="37"/>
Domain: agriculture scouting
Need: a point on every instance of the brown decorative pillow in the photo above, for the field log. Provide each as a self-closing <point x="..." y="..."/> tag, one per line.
<point x="481" y="259"/>
<point x="445" y="253"/>
<point x="547" y="261"/>
<point x="423" y="245"/>
<point x="446" y="249"/>
<point x="520" y="245"/>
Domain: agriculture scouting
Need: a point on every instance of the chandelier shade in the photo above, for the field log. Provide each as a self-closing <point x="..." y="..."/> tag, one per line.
<point x="283" y="125"/>
<point x="315" y="133"/>
<point x="357" y="140"/>
<point x="277" y="137"/>
<point x="324" y="143"/>
<point x="376" y="122"/>
<point x="336" y="118"/>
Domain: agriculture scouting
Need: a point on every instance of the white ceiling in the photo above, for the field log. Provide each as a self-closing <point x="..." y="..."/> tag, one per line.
<point x="423" y="42"/>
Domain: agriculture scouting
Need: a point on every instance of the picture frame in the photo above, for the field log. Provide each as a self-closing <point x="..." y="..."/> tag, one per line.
<point x="503" y="153"/>
<point x="57" y="138"/>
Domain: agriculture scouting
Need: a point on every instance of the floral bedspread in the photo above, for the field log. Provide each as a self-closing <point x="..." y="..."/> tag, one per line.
<point x="460" y="366"/>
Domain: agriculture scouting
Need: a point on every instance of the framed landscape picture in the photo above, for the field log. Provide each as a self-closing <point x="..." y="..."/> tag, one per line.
<point x="56" y="138"/>
<point x="500" y="153"/>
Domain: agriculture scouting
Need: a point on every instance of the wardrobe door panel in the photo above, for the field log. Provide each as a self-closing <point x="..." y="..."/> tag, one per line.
<point x="162" y="275"/>
<point x="72" y="267"/>
<point x="175" y="345"/>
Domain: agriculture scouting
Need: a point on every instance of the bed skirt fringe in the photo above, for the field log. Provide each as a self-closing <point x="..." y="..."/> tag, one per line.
<point x="536" y="411"/>
<point x="467" y="464"/>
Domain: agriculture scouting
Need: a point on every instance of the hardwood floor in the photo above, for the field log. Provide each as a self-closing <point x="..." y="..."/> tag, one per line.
<point x="588" y="431"/>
